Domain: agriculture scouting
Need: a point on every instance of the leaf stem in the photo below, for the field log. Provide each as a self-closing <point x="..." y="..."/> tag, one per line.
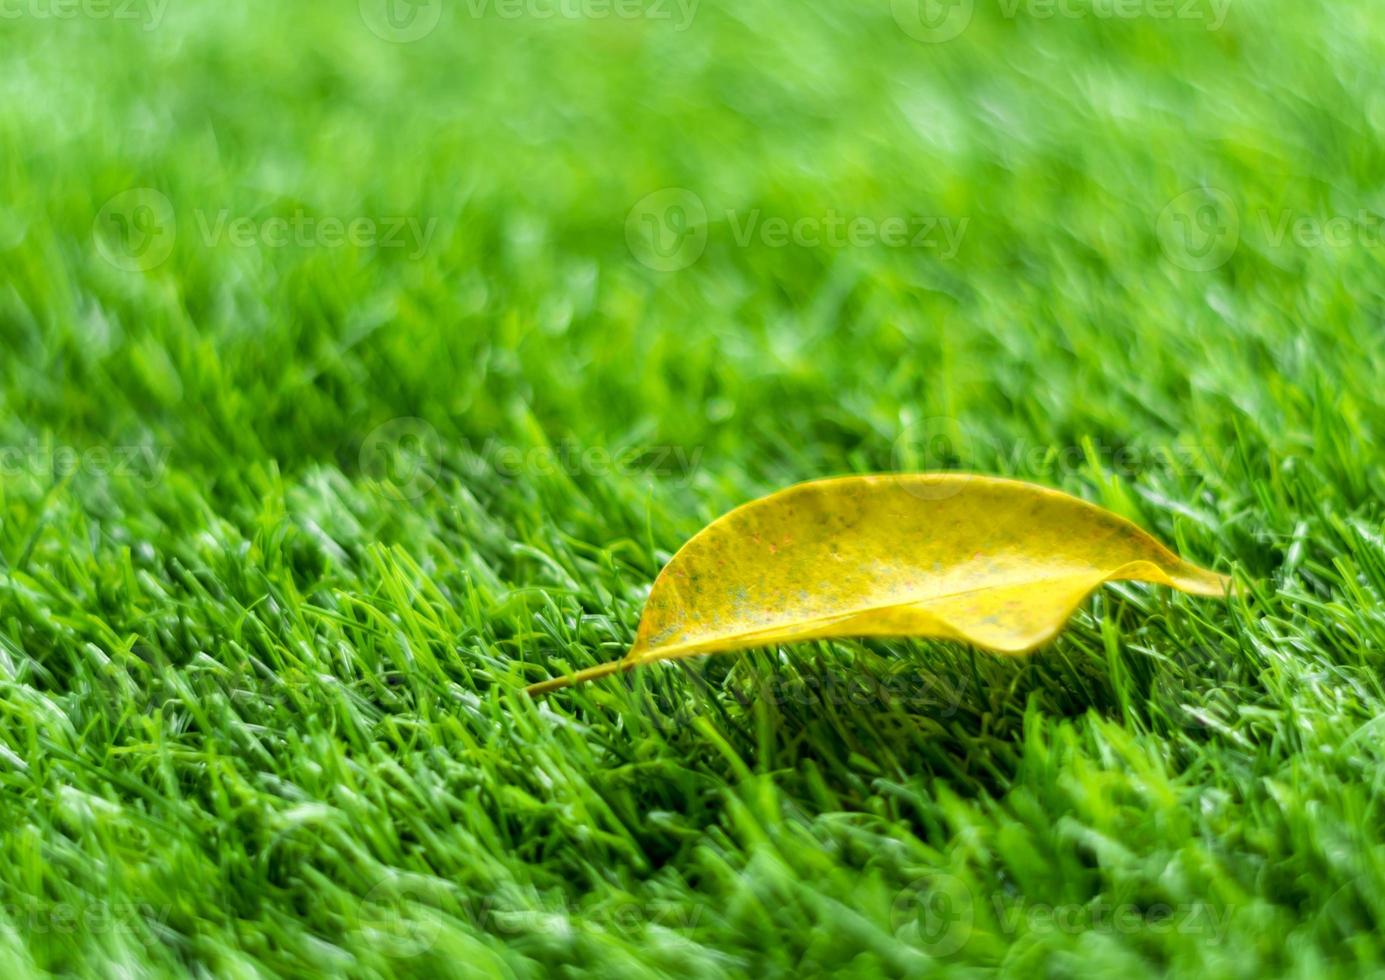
<point x="581" y="677"/>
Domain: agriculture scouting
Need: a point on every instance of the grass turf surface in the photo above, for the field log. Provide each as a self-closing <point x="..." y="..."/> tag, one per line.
<point x="288" y="521"/>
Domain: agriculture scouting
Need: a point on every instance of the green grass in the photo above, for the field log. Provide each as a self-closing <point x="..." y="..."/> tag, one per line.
<point x="261" y="658"/>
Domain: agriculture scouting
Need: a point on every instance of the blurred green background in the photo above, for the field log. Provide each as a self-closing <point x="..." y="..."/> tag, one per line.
<point x="361" y="364"/>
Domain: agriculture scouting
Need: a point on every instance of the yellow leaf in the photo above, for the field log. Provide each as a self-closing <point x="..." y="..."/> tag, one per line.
<point x="997" y="563"/>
